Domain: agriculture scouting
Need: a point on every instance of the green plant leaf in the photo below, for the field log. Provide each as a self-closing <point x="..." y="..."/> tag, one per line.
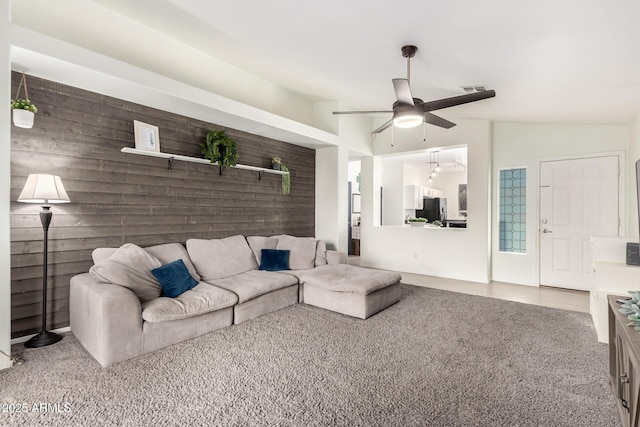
<point x="286" y="180"/>
<point x="23" y="104"/>
<point x="219" y="148"/>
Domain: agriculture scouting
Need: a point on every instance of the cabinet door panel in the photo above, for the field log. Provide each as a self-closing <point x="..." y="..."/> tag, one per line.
<point x="634" y="389"/>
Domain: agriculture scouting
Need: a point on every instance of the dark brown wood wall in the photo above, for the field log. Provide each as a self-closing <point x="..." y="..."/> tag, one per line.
<point x="118" y="198"/>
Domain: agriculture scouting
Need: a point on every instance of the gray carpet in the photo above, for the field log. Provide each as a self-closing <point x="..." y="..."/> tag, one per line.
<point x="436" y="358"/>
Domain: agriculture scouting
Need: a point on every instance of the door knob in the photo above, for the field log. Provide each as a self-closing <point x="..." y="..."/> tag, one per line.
<point x="544" y="230"/>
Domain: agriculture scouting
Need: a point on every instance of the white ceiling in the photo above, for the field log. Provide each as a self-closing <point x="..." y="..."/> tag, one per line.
<point x="554" y="61"/>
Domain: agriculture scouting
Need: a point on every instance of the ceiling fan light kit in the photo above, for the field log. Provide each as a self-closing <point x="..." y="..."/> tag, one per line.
<point x="409" y="112"/>
<point x="408" y="119"/>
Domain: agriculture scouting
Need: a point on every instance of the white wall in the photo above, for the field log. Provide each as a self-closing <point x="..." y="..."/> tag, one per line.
<point x="5" y="184"/>
<point x="332" y="196"/>
<point x="392" y="179"/>
<point x="332" y="177"/>
<point x="323" y="117"/>
<point x="455" y="253"/>
<point x="634" y="155"/>
<point x="355" y="134"/>
<point x="525" y="145"/>
<point x="415" y="175"/>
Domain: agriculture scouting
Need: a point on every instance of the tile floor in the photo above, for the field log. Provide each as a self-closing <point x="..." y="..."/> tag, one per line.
<point x="545" y="296"/>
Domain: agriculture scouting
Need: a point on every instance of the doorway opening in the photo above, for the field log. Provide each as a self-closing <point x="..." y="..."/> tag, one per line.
<point x="355" y="207"/>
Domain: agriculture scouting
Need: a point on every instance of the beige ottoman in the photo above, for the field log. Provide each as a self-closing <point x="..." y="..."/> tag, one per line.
<point x="347" y="289"/>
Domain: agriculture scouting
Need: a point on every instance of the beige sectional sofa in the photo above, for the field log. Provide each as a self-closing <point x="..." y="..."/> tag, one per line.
<point x="118" y="310"/>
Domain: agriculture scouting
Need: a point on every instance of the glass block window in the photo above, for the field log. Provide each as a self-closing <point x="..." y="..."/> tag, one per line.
<point x="513" y="212"/>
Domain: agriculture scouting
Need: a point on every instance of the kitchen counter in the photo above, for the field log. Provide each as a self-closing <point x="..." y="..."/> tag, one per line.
<point x="429" y="226"/>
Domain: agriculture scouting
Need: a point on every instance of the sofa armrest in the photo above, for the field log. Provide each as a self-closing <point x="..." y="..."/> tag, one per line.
<point x="106" y="319"/>
<point x="335" y="257"/>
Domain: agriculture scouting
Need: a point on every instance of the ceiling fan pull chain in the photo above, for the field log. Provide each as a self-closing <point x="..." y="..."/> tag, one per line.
<point x="424" y="132"/>
<point x="392" y="135"/>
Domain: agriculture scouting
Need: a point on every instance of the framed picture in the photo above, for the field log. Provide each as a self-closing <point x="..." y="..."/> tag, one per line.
<point x="355" y="203"/>
<point x="147" y="137"/>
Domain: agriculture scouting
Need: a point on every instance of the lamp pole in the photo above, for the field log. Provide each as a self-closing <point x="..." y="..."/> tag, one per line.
<point x="44" y="337"/>
<point x="44" y="189"/>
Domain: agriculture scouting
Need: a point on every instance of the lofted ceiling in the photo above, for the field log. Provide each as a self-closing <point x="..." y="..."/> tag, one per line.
<point x="450" y="159"/>
<point x="552" y="61"/>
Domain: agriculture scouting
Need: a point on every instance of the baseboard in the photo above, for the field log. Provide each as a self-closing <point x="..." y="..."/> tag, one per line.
<point x="5" y="362"/>
<point x="514" y="281"/>
<point x="26" y="338"/>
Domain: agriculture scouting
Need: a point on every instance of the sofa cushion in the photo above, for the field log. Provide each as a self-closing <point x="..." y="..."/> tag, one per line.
<point x="298" y="274"/>
<point x="174" y="278"/>
<point x="203" y="298"/>
<point x="130" y="266"/>
<point x="274" y="260"/>
<point x="101" y="254"/>
<point x="170" y="252"/>
<point x="303" y="251"/>
<point x="335" y="257"/>
<point x="252" y="284"/>
<point x="220" y="258"/>
<point x="165" y="253"/>
<point x="258" y="243"/>
<point x="350" y="278"/>
<point x="321" y="253"/>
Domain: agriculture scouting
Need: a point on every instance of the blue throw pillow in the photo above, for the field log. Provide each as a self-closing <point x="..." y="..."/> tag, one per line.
<point x="274" y="260"/>
<point x="174" y="278"/>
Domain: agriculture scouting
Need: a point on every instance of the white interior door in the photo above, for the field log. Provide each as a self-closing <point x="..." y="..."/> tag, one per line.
<point x="578" y="199"/>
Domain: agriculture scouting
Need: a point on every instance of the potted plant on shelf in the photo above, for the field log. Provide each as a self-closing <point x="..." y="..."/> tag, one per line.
<point x="23" y="112"/>
<point x="276" y="163"/>
<point x="219" y="148"/>
<point x="417" y="222"/>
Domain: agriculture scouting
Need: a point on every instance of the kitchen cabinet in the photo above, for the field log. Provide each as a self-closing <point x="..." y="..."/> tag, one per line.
<point x="432" y="192"/>
<point x="413" y="197"/>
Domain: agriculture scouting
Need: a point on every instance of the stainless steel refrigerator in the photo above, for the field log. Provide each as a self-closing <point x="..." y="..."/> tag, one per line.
<point x="433" y="209"/>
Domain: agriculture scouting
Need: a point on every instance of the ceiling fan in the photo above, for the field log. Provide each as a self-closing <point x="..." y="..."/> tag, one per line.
<point x="411" y="112"/>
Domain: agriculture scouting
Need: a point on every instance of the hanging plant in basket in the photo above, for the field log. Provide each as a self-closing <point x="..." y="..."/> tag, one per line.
<point x="286" y="180"/>
<point x="23" y="109"/>
<point x="219" y="148"/>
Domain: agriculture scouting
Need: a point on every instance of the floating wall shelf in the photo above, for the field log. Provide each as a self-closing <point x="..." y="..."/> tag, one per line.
<point x="172" y="157"/>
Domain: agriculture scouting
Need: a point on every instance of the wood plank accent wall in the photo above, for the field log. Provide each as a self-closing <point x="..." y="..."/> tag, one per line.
<point x="118" y="198"/>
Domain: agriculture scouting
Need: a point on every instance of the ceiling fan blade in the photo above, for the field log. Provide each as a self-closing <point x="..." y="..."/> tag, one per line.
<point x="363" y="112"/>
<point x="383" y="127"/>
<point x="403" y="91"/>
<point x="457" y="100"/>
<point x="438" y="121"/>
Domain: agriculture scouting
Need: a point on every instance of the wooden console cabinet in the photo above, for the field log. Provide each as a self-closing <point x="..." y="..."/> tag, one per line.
<point x="624" y="365"/>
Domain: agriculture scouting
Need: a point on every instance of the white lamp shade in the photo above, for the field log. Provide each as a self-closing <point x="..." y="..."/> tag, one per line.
<point x="43" y="189"/>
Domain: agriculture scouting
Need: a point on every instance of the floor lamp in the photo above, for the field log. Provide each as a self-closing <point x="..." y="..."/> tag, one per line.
<point x="46" y="190"/>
